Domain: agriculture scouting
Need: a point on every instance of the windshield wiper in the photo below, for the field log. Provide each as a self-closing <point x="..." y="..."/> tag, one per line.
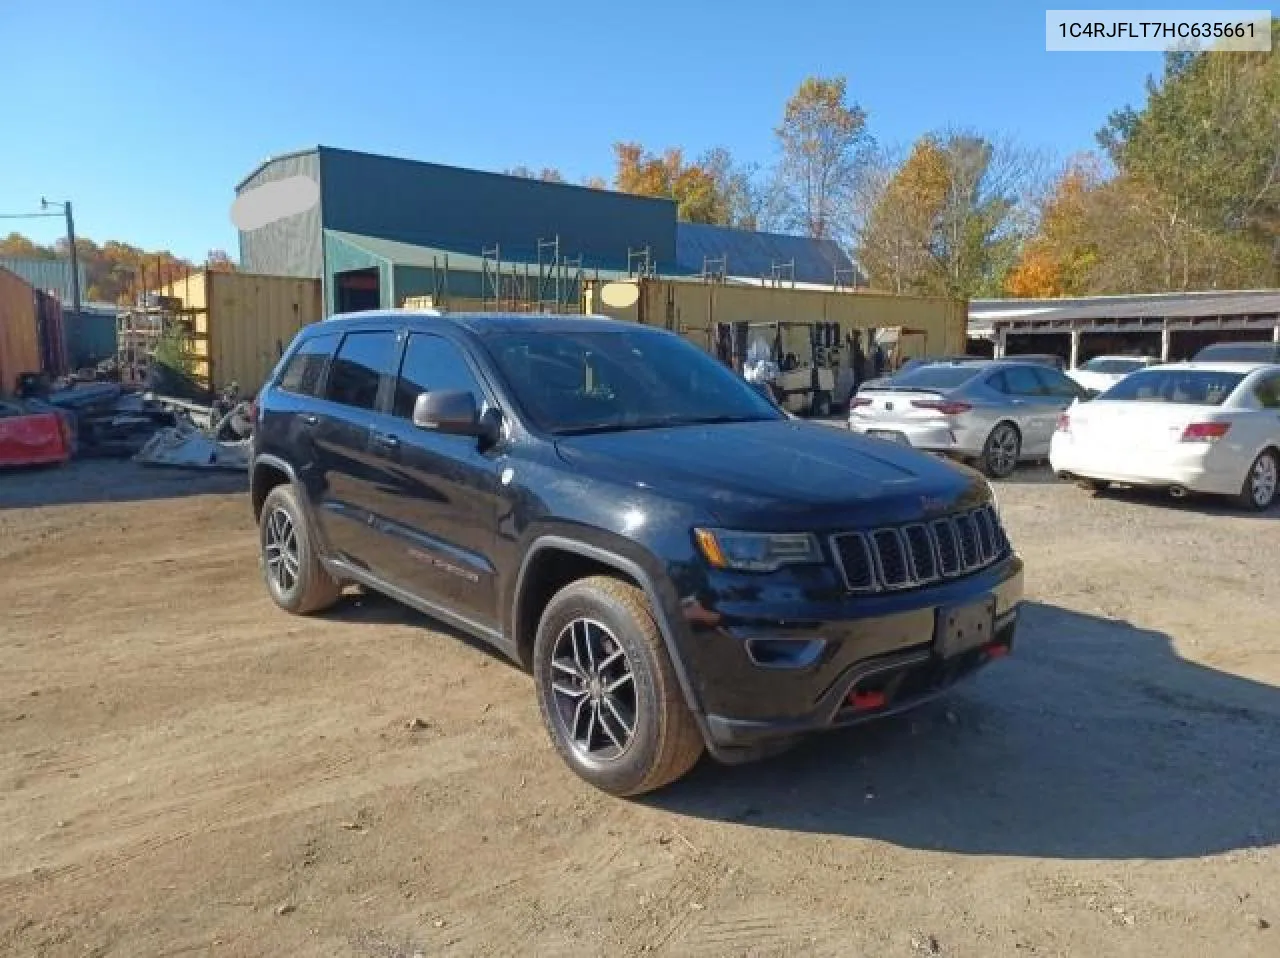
<point x="615" y="426"/>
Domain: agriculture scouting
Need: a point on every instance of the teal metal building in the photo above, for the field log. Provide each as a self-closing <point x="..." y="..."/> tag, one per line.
<point x="378" y="230"/>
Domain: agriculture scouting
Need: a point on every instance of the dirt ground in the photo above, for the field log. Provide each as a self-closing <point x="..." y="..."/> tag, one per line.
<point x="186" y="770"/>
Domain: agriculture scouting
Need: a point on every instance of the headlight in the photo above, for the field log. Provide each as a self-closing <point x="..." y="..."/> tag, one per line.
<point x="756" y="551"/>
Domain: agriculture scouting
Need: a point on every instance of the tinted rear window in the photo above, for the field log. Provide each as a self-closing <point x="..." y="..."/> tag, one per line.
<point x="1191" y="387"/>
<point x="935" y="377"/>
<point x="362" y="361"/>
<point x="305" y="369"/>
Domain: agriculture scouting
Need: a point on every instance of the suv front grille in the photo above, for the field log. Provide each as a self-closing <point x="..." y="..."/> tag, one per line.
<point x="904" y="557"/>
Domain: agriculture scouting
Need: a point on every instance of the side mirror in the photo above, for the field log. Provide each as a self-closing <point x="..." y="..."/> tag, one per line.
<point x="453" y="412"/>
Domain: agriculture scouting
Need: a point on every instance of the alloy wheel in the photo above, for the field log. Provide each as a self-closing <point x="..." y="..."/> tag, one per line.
<point x="1003" y="453"/>
<point x="594" y="690"/>
<point x="280" y="550"/>
<point x="1262" y="481"/>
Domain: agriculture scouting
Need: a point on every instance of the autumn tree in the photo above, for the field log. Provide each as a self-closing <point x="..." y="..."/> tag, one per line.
<point x="19" y="247"/>
<point x="824" y="143"/>
<point x="709" y="190"/>
<point x="950" y="219"/>
<point x="903" y="204"/>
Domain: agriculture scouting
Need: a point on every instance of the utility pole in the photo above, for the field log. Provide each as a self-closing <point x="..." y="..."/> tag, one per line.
<point x="71" y="249"/>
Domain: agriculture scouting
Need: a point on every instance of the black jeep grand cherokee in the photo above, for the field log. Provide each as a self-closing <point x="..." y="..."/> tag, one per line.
<point x="679" y="563"/>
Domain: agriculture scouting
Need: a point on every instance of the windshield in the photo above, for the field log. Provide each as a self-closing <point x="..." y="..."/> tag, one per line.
<point x="579" y="382"/>
<point x="935" y="377"/>
<point x="1190" y="387"/>
<point x="1113" y="365"/>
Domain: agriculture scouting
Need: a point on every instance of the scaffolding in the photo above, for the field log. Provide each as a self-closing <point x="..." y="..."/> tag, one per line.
<point x="550" y="284"/>
<point x="159" y="330"/>
<point x="782" y="273"/>
<point x="640" y="263"/>
<point x="715" y="269"/>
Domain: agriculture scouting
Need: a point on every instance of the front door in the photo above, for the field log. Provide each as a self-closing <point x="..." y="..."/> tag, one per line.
<point x="439" y="503"/>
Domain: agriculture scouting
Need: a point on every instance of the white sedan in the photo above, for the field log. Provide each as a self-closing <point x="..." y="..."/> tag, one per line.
<point x="1102" y="372"/>
<point x="1186" y="427"/>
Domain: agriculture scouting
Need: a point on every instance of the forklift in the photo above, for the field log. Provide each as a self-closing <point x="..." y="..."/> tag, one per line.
<point x="758" y="352"/>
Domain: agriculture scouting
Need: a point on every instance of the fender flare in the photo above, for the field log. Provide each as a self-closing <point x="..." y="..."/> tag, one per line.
<point x="632" y="569"/>
<point x="299" y="489"/>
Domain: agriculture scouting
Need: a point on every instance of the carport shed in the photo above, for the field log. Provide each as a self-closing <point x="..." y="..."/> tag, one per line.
<point x="1169" y="326"/>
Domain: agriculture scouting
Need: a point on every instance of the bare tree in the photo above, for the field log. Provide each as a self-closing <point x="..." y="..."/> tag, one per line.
<point x="824" y="142"/>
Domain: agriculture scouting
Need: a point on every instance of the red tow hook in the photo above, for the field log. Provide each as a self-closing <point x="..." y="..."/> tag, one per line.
<point x="997" y="650"/>
<point x="865" y="701"/>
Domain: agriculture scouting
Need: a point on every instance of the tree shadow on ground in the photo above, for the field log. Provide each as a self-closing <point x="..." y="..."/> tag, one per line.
<point x="1095" y="740"/>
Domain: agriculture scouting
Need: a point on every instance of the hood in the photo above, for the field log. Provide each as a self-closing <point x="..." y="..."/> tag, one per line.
<point x="767" y="474"/>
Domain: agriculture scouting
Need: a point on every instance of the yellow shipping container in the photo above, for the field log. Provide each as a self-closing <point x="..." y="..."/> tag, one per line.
<point x="243" y="322"/>
<point x="926" y="326"/>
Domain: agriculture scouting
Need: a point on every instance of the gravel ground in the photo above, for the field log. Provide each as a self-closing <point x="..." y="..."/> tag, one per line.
<point x="185" y="770"/>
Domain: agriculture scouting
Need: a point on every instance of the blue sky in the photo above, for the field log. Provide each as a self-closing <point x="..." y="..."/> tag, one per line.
<point x="146" y="114"/>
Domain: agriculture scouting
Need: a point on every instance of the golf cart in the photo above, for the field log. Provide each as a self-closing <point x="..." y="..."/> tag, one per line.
<point x="795" y="361"/>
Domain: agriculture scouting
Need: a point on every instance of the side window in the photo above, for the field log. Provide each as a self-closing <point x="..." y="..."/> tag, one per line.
<point x="432" y="363"/>
<point x="305" y="369"/>
<point x="356" y="372"/>
<point x="1057" y="385"/>
<point x="1268" y="392"/>
<point x="1022" y="381"/>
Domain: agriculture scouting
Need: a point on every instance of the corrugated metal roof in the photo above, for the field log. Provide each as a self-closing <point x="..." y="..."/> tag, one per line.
<point x="1175" y="306"/>
<point x="47" y="274"/>
<point x="755" y="254"/>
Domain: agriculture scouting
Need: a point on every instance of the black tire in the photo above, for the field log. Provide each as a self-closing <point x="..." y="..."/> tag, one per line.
<point x="1001" y="451"/>
<point x="612" y="616"/>
<point x="1093" y="485"/>
<point x="821" y="405"/>
<point x="1261" y="483"/>
<point x="298" y="584"/>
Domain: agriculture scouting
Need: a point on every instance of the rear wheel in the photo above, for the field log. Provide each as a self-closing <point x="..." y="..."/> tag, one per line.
<point x="296" y="580"/>
<point x="1001" y="451"/>
<point x="607" y="692"/>
<point x="1261" y="482"/>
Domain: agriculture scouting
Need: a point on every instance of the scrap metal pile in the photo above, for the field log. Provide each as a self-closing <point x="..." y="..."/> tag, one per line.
<point x="106" y="419"/>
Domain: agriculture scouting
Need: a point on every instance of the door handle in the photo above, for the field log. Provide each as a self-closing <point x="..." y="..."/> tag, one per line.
<point x="386" y="440"/>
<point x="310" y="418"/>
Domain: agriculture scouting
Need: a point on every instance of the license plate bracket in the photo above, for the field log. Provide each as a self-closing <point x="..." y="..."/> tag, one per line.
<point x="889" y="435"/>
<point x="961" y="628"/>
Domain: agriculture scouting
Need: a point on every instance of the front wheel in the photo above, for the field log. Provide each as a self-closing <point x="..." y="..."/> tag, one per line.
<point x="1260" y="484"/>
<point x="607" y="691"/>
<point x="1001" y="451"/>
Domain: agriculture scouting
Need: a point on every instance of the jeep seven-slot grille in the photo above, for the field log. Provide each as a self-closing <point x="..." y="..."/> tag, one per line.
<point x="904" y="557"/>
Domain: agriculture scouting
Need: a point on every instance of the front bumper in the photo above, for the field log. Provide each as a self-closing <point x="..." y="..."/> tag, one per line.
<point x="880" y="647"/>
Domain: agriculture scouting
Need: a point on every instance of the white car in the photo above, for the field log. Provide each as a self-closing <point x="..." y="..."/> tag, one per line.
<point x="1186" y="427"/>
<point x="1103" y="372"/>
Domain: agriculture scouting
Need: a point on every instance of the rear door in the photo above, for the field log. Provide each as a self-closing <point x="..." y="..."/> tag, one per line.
<point x="438" y="498"/>
<point x="1029" y="405"/>
<point x="348" y="471"/>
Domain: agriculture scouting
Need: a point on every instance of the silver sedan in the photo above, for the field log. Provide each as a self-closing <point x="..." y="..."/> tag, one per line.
<point x="998" y="412"/>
